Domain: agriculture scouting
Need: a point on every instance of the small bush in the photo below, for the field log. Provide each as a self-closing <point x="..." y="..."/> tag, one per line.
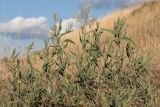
<point x="114" y="75"/>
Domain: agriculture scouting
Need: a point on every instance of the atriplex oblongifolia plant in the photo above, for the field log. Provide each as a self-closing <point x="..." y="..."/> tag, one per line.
<point x="114" y="75"/>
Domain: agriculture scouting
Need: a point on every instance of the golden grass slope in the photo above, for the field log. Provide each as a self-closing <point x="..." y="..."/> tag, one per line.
<point x="143" y="26"/>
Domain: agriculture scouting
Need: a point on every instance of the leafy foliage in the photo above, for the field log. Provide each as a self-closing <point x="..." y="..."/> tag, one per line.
<point x="113" y="77"/>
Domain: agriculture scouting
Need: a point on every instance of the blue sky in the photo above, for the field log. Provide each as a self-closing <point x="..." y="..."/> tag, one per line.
<point x="10" y="9"/>
<point x="36" y="8"/>
<point x="24" y="21"/>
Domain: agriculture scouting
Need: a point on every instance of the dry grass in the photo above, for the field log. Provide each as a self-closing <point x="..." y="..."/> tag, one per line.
<point x="144" y="24"/>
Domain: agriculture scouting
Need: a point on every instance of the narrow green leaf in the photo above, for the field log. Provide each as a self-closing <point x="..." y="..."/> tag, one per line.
<point x="110" y="31"/>
<point x="128" y="40"/>
<point x="30" y="47"/>
<point x="69" y="41"/>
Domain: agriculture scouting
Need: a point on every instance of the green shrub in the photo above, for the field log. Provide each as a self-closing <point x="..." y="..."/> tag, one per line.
<point x="115" y="75"/>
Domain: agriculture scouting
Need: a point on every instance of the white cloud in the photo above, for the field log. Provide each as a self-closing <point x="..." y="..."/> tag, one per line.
<point x="111" y="3"/>
<point x="119" y="3"/>
<point x="70" y="22"/>
<point x="25" y="27"/>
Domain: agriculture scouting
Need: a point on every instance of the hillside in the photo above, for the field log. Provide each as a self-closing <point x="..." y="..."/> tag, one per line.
<point x="143" y="23"/>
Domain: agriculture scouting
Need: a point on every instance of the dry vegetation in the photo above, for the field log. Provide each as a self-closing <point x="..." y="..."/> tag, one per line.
<point x="143" y="23"/>
<point x="143" y="26"/>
